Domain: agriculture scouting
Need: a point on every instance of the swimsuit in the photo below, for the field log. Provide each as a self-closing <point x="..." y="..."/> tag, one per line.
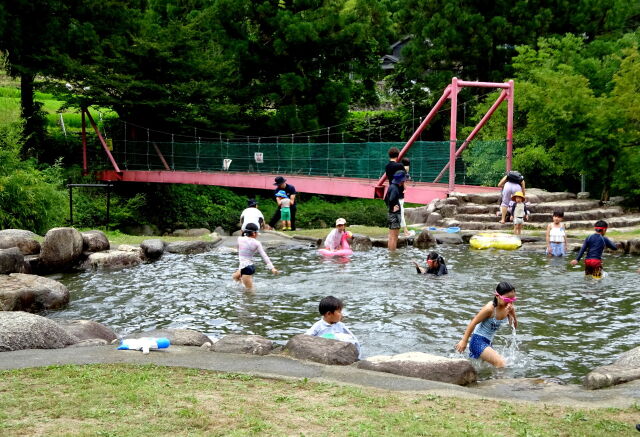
<point x="483" y="335"/>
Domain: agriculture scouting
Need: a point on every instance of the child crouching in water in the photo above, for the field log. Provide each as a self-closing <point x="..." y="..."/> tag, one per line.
<point x="247" y="247"/>
<point x="330" y="325"/>
<point x="485" y="324"/>
<point x="337" y="238"/>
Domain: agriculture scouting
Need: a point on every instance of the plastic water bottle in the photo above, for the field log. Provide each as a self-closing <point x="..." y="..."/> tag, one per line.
<point x="144" y="344"/>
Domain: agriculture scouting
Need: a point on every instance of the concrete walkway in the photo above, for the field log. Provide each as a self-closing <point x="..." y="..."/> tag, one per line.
<point x="279" y="366"/>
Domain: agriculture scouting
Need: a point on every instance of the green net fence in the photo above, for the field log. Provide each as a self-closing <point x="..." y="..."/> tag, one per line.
<point x="353" y="160"/>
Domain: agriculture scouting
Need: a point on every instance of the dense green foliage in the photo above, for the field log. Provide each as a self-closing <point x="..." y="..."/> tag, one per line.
<point x="577" y="113"/>
<point x="30" y="198"/>
<point x="181" y="69"/>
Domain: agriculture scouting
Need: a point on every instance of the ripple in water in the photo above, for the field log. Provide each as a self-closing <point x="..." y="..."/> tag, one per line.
<point x="567" y="324"/>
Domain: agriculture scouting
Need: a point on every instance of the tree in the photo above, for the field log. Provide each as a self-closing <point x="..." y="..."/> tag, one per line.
<point x="576" y="112"/>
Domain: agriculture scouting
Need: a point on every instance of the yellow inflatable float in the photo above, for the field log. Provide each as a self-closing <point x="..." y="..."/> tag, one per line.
<point x="498" y="240"/>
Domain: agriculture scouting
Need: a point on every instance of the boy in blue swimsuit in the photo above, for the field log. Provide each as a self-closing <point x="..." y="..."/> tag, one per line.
<point x="594" y="246"/>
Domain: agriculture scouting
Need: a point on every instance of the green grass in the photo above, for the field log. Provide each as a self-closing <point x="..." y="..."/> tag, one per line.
<point x="117" y="237"/>
<point x="10" y="109"/>
<point x="128" y="400"/>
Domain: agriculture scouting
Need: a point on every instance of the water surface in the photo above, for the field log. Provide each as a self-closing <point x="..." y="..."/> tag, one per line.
<point x="567" y="324"/>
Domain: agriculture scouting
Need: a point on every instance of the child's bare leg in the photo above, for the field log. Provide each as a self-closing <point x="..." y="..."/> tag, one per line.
<point x="236" y="275"/>
<point x="247" y="281"/>
<point x="503" y="211"/>
<point x="492" y="357"/>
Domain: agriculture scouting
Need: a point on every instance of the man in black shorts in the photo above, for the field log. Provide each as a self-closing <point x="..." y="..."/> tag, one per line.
<point x="392" y="199"/>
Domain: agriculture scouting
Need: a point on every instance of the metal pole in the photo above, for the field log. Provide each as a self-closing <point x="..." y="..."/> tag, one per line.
<point x="453" y="133"/>
<point x="510" y="106"/>
<point x="70" y="206"/>
<point x="108" y="203"/>
<point x="85" y="169"/>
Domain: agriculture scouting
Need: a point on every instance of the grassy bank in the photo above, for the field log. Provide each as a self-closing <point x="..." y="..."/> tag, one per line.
<point x="126" y="400"/>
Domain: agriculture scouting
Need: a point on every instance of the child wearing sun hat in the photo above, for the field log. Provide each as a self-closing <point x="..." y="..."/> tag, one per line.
<point x="519" y="212"/>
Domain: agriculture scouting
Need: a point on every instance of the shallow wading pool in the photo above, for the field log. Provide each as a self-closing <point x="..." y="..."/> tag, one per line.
<point x="568" y="324"/>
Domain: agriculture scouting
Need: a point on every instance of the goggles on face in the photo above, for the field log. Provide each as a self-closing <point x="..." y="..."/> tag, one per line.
<point x="600" y="228"/>
<point x="506" y="299"/>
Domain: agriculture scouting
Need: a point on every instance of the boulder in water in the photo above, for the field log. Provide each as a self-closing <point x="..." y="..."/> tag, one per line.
<point x="24" y="240"/>
<point x="22" y="292"/>
<point x="243" y="344"/>
<point x="322" y="350"/>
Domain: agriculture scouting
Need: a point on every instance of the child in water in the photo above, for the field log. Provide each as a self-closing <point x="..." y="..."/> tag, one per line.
<point x="247" y="247"/>
<point x="435" y="265"/>
<point x="330" y="325"/>
<point x="519" y="212"/>
<point x="556" y="236"/>
<point x="336" y="240"/>
<point x="594" y="246"/>
<point x="485" y="324"/>
<point x="285" y="209"/>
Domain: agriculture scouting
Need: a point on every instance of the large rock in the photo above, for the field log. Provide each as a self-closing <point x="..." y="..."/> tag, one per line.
<point x="94" y="241"/>
<point x="322" y="350"/>
<point x="23" y="240"/>
<point x="112" y="259"/>
<point x="87" y="330"/>
<point x="243" y="344"/>
<point x="424" y="366"/>
<point x="191" y="232"/>
<point x="361" y="243"/>
<point x="625" y="369"/>
<point x="19" y="330"/>
<point x="446" y="238"/>
<point x="434" y="219"/>
<point x="61" y="248"/>
<point x="447" y="211"/>
<point x="424" y="240"/>
<point x="21" y="292"/>
<point x="178" y="337"/>
<point x="417" y="215"/>
<point x="220" y="231"/>
<point x="633" y="246"/>
<point x="152" y="249"/>
<point x="11" y="261"/>
<point x="192" y="247"/>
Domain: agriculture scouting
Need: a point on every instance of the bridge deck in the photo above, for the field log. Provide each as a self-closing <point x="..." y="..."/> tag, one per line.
<point x="415" y="192"/>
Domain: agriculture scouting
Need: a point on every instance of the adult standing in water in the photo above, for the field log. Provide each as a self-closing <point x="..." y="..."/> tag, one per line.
<point x="290" y="190"/>
<point x="392" y="199"/>
<point x="511" y="183"/>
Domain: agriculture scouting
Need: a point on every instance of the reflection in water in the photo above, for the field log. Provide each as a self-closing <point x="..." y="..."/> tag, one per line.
<point x="568" y="324"/>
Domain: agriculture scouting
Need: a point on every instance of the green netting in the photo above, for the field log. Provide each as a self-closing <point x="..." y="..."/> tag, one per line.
<point x="354" y="160"/>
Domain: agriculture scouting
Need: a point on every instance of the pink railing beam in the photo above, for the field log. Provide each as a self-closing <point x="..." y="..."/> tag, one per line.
<point x="416" y="134"/>
<point x="103" y="142"/>
<point x="462" y="83"/>
<point x="510" y="109"/>
<point x="481" y="123"/>
<point x="453" y="134"/>
<point x="85" y="168"/>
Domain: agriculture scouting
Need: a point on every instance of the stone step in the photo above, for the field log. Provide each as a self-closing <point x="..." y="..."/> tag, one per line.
<point x="534" y="195"/>
<point x="613" y="222"/>
<point x="549" y="207"/>
<point x="591" y="214"/>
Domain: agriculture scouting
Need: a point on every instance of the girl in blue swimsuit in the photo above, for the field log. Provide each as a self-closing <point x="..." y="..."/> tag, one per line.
<point x="485" y="324"/>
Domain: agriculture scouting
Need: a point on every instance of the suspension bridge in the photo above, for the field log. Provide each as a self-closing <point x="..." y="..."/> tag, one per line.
<point x="340" y="169"/>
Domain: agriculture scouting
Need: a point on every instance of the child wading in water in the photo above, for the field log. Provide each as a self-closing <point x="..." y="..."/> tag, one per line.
<point x="556" y="236"/>
<point x="247" y="247"/>
<point x="330" y="325"/>
<point x="485" y="324"/>
<point x="337" y="238"/>
<point x="594" y="246"/>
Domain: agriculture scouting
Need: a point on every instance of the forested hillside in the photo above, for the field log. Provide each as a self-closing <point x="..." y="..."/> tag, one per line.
<point x="250" y="69"/>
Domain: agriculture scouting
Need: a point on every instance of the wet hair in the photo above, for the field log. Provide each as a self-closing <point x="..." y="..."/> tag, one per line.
<point x="600" y="224"/>
<point x="394" y="152"/>
<point x="330" y="304"/>
<point x="435" y="256"/>
<point x="250" y="229"/>
<point x="502" y="288"/>
<point x="558" y="213"/>
<point x="406" y="162"/>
